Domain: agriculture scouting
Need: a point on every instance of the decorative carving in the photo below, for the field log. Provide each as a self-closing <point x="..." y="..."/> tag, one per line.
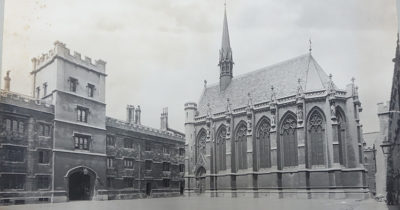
<point x="333" y="110"/>
<point x="289" y="125"/>
<point x="300" y="114"/>
<point x="315" y="122"/>
<point x="241" y="133"/>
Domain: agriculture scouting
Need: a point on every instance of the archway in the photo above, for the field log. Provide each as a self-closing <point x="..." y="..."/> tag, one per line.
<point x="81" y="183"/>
<point x="201" y="179"/>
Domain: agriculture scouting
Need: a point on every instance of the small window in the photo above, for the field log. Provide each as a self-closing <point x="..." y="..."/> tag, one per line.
<point x="128" y="182"/>
<point x="73" y="83"/>
<point x="181" y="167"/>
<point x="44" y="156"/>
<point x="148" y="164"/>
<point x="82" y="114"/>
<point x="181" y="151"/>
<point x="166" y="182"/>
<point x="128" y="163"/>
<point x="43" y="182"/>
<point x="81" y="141"/>
<point x="166" y="166"/>
<point x="15" y="154"/>
<point x="165" y="150"/>
<point x="45" y="89"/>
<point x="128" y="143"/>
<point x="110" y="140"/>
<point x="43" y="130"/>
<point x="110" y="162"/>
<point x="90" y="89"/>
<point x="147" y="147"/>
<point x="15" y="126"/>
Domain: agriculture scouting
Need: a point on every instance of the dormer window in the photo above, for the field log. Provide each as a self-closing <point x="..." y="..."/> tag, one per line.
<point x="91" y="88"/>
<point x="73" y="83"/>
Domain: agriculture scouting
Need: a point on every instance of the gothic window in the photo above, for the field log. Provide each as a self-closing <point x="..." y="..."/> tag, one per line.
<point x="44" y="156"/>
<point x="316" y="130"/>
<point x="15" y="154"/>
<point x="110" y="140"/>
<point x="110" y="162"/>
<point x="81" y="141"/>
<point x="221" y="149"/>
<point x="341" y="135"/>
<point x="128" y="163"/>
<point x="14" y="125"/>
<point x="43" y="130"/>
<point x="82" y="114"/>
<point x="90" y="89"/>
<point x="201" y="147"/>
<point x="181" y="167"/>
<point x="289" y="141"/>
<point x="73" y="83"/>
<point x="263" y="137"/>
<point x="241" y="145"/>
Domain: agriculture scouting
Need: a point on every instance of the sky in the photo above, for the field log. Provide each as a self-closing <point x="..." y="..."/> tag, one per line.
<point x="159" y="52"/>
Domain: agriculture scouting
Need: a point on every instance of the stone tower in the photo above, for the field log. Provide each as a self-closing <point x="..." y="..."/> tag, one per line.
<point x="190" y="113"/>
<point x="76" y="88"/>
<point x="225" y="57"/>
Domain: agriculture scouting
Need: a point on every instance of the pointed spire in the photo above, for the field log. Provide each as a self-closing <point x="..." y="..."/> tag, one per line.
<point x="225" y="56"/>
<point x="226" y="52"/>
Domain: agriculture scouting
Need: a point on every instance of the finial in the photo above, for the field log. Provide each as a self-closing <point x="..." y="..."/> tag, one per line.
<point x="299" y="81"/>
<point x="225" y="4"/>
<point x="330" y="76"/>
<point x="205" y="83"/>
<point x="310" y="48"/>
<point x="352" y="80"/>
<point x="272" y="87"/>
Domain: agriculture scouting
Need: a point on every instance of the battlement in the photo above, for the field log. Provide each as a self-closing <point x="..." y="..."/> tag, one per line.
<point x="112" y="122"/>
<point x="190" y="105"/>
<point x="16" y="99"/>
<point x="383" y="108"/>
<point x="60" y="50"/>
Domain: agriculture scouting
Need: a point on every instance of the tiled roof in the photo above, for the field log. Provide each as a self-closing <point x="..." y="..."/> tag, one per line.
<point x="283" y="76"/>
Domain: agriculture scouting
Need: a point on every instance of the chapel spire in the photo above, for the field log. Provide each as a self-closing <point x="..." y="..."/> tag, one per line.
<point x="225" y="56"/>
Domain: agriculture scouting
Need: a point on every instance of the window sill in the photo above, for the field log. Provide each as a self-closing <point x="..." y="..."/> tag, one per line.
<point x="44" y="164"/>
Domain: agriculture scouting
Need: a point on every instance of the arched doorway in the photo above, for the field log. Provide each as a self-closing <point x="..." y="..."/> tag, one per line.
<point x="81" y="182"/>
<point x="201" y="179"/>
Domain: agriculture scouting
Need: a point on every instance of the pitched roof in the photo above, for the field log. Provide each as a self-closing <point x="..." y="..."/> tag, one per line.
<point x="283" y="76"/>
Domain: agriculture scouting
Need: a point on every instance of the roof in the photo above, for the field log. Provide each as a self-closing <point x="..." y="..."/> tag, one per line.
<point x="370" y="138"/>
<point x="283" y="76"/>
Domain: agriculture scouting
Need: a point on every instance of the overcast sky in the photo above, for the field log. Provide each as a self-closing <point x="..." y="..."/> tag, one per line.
<point x="158" y="52"/>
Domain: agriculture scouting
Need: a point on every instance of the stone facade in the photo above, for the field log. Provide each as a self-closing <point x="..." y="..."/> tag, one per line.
<point x="89" y="156"/>
<point x="285" y="130"/>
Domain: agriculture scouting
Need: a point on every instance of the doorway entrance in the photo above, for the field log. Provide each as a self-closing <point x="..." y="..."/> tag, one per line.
<point x="148" y="188"/>
<point x="80" y="183"/>
<point x="201" y="179"/>
<point x="79" y="186"/>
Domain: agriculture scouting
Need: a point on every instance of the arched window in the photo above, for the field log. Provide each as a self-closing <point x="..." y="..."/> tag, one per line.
<point x="263" y="137"/>
<point x="221" y="149"/>
<point x="316" y="131"/>
<point x="341" y="134"/>
<point x="289" y="140"/>
<point x="201" y="147"/>
<point x="241" y="145"/>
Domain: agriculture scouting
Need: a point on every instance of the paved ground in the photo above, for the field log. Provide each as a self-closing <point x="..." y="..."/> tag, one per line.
<point x="203" y="203"/>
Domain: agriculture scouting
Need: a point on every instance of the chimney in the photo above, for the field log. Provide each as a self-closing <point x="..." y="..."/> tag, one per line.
<point x="137" y="115"/>
<point x="7" y="80"/>
<point x="130" y="114"/>
<point x="164" y="119"/>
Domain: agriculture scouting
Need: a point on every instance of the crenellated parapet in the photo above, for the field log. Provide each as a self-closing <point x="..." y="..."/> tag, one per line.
<point x="112" y="122"/>
<point x="16" y="99"/>
<point x="61" y="51"/>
